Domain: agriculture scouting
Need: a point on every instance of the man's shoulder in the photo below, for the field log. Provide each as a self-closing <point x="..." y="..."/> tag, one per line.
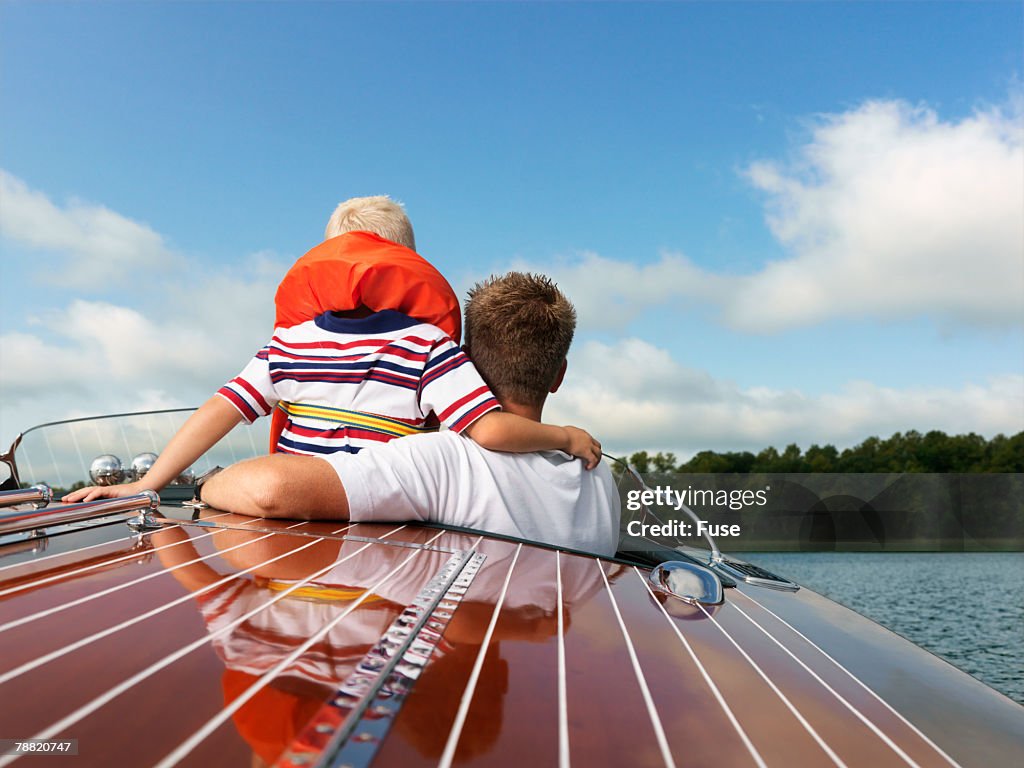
<point x="547" y="463"/>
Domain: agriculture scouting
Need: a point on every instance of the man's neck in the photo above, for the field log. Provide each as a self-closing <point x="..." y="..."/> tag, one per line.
<point x="531" y="412"/>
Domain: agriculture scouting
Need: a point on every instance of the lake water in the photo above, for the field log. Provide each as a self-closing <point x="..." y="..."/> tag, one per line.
<point x="966" y="607"/>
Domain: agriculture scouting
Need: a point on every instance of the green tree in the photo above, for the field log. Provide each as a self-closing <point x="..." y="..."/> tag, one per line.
<point x="664" y="462"/>
<point x="641" y="462"/>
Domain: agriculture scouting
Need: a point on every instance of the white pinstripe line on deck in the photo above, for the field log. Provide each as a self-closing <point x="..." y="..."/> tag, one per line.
<point x="94" y="566"/>
<point x="474" y="675"/>
<point x="34" y="561"/>
<point x="707" y="678"/>
<point x="652" y="711"/>
<point x="563" y="702"/>
<point x="87" y="568"/>
<point x="856" y="712"/>
<point x="860" y="682"/>
<point x="65" y="554"/>
<point x="789" y="705"/>
<point x="39" y="661"/>
<point x="110" y="590"/>
<point x="113" y="693"/>
<point x="225" y="714"/>
<point x="58" y="608"/>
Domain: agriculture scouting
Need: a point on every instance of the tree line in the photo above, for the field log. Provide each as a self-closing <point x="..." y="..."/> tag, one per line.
<point x="911" y="451"/>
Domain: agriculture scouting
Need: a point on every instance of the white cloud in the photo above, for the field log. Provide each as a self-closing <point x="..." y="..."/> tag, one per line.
<point x="608" y="294"/>
<point x="887" y="212"/>
<point x="97" y="246"/>
<point x="891" y="212"/>
<point x="632" y="395"/>
<point x="96" y="357"/>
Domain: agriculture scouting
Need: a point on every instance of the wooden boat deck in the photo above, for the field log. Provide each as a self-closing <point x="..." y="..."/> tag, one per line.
<point x="224" y="641"/>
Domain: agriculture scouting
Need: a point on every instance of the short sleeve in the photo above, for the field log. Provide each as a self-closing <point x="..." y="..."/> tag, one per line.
<point x="452" y="388"/>
<point x="252" y="391"/>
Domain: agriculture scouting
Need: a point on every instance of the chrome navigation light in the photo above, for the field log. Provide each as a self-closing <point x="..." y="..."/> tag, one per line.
<point x="106" y="470"/>
<point x="141" y="464"/>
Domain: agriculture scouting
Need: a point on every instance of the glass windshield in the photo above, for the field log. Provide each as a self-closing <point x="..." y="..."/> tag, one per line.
<point x="59" y="454"/>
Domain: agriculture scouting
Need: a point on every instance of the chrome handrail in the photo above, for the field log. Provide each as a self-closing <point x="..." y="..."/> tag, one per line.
<point x="40" y="495"/>
<point x="16" y="521"/>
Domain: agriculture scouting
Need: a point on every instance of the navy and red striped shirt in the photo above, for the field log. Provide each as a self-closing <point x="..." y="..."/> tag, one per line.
<point x="348" y="383"/>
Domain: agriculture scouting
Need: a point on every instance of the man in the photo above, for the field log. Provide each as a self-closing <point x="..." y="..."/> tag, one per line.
<point x="518" y="331"/>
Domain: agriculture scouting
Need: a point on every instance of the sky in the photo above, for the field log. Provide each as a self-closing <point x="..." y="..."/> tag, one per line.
<point x="779" y="222"/>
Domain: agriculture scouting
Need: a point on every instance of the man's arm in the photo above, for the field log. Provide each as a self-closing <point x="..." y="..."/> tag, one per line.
<point x="214" y="419"/>
<point x="280" y="485"/>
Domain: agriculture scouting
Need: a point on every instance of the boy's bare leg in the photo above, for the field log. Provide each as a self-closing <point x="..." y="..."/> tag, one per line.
<point x="281" y="485"/>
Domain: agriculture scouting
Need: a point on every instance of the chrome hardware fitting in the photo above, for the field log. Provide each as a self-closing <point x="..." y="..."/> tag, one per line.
<point x="689" y="582"/>
<point x="14" y="521"/>
<point x="38" y="495"/>
<point x="145" y="521"/>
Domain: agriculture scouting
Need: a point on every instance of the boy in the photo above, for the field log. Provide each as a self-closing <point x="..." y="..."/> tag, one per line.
<point x="362" y="353"/>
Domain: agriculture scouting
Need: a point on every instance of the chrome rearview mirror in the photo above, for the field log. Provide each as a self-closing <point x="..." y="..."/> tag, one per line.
<point x="689" y="582"/>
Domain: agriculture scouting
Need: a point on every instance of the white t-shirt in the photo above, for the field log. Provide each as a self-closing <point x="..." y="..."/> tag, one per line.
<point x="446" y="478"/>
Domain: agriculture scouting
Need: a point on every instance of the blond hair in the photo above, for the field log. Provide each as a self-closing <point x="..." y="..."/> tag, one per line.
<point x="378" y="214"/>
<point x="518" y="330"/>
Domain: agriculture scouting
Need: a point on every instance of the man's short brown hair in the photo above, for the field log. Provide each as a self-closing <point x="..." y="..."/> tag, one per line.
<point x="518" y="330"/>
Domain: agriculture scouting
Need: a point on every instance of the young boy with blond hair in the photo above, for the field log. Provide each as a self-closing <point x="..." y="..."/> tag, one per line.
<point x="364" y="350"/>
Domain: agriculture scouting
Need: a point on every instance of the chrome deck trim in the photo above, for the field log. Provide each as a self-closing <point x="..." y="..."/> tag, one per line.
<point x="351" y="727"/>
<point x="193" y="741"/>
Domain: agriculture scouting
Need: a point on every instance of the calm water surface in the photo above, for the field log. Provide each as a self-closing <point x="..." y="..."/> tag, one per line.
<point x="967" y="608"/>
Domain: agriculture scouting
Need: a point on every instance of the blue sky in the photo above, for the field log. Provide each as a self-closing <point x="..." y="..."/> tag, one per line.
<point x="780" y="221"/>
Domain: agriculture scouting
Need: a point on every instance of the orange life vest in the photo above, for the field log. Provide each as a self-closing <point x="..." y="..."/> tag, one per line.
<point x="361" y="268"/>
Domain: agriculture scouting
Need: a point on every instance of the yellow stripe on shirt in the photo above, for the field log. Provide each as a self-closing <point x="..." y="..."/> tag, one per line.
<point x="345" y="417"/>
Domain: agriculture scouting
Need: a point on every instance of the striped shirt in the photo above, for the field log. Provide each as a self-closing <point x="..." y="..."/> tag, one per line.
<point x="349" y="383"/>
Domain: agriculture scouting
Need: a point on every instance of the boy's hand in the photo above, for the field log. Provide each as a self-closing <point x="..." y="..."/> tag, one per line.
<point x="583" y="446"/>
<point x="93" y="492"/>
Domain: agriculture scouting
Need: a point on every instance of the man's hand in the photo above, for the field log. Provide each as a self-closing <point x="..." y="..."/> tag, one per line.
<point x="93" y="492"/>
<point x="583" y="446"/>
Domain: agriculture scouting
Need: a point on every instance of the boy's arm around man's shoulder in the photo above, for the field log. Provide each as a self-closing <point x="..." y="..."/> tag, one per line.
<point x="503" y="431"/>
